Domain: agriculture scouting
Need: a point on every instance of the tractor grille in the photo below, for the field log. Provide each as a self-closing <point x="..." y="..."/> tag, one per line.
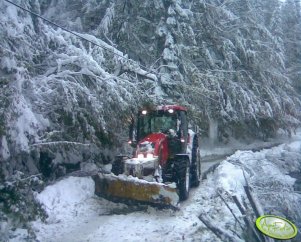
<point x="133" y="170"/>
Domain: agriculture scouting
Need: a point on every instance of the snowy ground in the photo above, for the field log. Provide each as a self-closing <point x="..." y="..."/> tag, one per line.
<point x="76" y="214"/>
<point x="211" y="151"/>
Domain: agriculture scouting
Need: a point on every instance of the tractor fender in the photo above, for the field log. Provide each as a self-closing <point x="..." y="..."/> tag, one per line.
<point x="191" y="138"/>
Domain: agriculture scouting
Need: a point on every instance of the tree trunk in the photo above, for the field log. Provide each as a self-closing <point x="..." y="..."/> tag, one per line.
<point x="213" y="129"/>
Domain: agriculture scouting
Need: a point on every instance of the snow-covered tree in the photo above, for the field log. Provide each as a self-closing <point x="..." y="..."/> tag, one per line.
<point x="291" y="25"/>
<point x="227" y="61"/>
<point x="242" y="63"/>
<point x="62" y="96"/>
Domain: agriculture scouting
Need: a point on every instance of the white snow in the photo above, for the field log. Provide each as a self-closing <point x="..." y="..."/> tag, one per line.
<point x="207" y="149"/>
<point x="27" y="125"/>
<point x="19" y="235"/>
<point x="224" y="178"/>
<point x="76" y="214"/>
<point x="4" y="148"/>
<point x="61" y="198"/>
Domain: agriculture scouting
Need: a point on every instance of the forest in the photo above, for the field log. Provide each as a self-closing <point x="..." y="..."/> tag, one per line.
<point x="234" y="64"/>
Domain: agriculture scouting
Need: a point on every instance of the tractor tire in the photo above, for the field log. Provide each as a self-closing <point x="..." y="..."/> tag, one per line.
<point x="183" y="178"/>
<point x="195" y="163"/>
<point x="118" y="166"/>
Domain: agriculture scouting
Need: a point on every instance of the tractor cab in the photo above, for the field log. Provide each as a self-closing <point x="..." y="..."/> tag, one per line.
<point x="169" y="120"/>
<point x="160" y="133"/>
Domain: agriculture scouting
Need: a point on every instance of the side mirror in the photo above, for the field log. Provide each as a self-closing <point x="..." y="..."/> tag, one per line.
<point x="132" y="143"/>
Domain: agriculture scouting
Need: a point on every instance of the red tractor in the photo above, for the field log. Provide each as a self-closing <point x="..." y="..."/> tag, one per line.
<point x="165" y="163"/>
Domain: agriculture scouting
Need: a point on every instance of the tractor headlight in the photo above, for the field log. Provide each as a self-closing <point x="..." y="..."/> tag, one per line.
<point x="149" y="155"/>
<point x="140" y="156"/>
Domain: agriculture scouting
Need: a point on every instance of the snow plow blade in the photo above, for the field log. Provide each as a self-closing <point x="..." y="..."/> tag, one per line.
<point x="125" y="188"/>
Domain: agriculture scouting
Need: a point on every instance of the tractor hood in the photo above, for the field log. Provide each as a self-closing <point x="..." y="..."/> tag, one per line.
<point x="154" y="138"/>
<point x="155" y="144"/>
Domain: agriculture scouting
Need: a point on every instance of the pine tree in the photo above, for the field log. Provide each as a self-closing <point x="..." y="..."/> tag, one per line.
<point x="291" y="25"/>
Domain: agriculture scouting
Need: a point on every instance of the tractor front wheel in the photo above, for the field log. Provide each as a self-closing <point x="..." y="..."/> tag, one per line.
<point x="118" y="165"/>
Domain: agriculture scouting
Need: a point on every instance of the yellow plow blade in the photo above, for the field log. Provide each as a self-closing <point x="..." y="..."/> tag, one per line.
<point x="132" y="188"/>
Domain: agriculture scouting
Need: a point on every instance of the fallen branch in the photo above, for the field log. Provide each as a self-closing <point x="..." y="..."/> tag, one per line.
<point x="253" y="202"/>
<point x="59" y="143"/>
<point x="223" y="235"/>
<point x="258" y="237"/>
<point x="255" y="205"/>
<point x="231" y="210"/>
<point x="26" y="178"/>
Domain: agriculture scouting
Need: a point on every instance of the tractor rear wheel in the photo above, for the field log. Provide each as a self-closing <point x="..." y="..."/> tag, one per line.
<point x="195" y="163"/>
<point x="196" y="172"/>
<point x="183" y="178"/>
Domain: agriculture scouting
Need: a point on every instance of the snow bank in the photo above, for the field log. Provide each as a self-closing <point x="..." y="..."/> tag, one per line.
<point x="267" y="172"/>
<point x="224" y="176"/>
<point x="294" y="147"/>
<point x="61" y="198"/>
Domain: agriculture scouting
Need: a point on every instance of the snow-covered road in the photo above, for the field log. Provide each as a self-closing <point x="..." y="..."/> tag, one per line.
<point x="76" y="214"/>
<point x="90" y="218"/>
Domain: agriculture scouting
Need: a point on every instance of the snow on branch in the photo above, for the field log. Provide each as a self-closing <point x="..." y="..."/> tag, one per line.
<point x="56" y="143"/>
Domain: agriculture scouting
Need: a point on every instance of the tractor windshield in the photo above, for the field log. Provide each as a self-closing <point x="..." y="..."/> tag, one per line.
<point x="155" y="122"/>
